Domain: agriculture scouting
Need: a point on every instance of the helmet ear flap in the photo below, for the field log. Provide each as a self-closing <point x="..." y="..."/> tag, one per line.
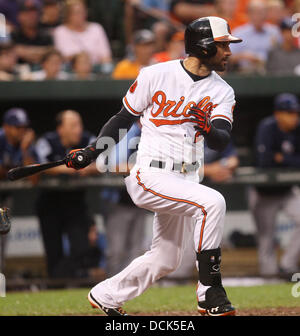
<point x="206" y="49"/>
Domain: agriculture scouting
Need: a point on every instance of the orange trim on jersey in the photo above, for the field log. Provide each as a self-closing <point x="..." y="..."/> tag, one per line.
<point x="221" y="116"/>
<point x="130" y="108"/>
<point x="140" y="183"/>
<point x="162" y="122"/>
<point x="133" y="87"/>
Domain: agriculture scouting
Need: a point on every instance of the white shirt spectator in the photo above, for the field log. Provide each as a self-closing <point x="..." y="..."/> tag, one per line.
<point x="93" y="41"/>
<point x="257" y="43"/>
<point x="41" y="75"/>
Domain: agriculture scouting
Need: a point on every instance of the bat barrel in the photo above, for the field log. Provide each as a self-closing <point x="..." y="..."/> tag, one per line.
<point x="20" y="172"/>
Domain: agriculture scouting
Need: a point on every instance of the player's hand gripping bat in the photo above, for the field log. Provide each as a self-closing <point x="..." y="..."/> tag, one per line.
<point x="77" y="159"/>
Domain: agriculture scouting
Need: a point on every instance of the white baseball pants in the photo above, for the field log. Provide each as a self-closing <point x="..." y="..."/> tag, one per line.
<point x="185" y="212"/>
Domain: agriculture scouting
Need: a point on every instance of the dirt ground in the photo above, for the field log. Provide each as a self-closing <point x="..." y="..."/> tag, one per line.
<point x="280" y="311"/>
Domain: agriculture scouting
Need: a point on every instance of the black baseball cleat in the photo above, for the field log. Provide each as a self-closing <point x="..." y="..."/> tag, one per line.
<point x="216" y="303"/>
<point x="108" y="311"/>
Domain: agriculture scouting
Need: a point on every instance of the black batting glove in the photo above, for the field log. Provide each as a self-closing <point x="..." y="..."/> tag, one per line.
<point x="80" y="158"/>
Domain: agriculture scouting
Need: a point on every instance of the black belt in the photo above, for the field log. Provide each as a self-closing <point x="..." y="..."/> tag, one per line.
<point x="181" y="167"/>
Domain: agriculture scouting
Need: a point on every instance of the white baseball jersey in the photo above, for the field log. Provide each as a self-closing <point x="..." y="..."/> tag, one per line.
<point x="163" y="95"/>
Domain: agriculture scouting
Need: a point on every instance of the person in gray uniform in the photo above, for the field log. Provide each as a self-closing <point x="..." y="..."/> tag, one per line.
<point x="277" y="145"/>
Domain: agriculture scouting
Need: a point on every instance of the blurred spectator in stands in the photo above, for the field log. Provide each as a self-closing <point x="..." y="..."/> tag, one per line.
<point x="51" y="15"/>
<point x="277" y="145"/>
<point x="16" y="149"/>
<point x="220" y="166"/>
<point x="8" y="62"/>
<point x="16" y="142"/>
<point x="65" y="211"/>
<point x="77" y="35"/>
<point x="285" y="59"/>
<point x="10" y="9"/>
<point x="161" y="7"/>
<point x="51" y="64"/>
<point x="110" y="14"/>
<point x="163" y="23"/>
<point x="295" y="11"/>
<point x="124" y="222"/>
<point x="229" y="10"/>
<point x="82" y="67"/>
<point x="276" y="11"/>
<point x="175" y="48"/>
<point x="143" y="53"/>
<point x="258" y="39"/>
<point x="31" y="42"/>
<point x="188" y="10"/>
<point x="161" y="30"/>
<point x="142" y="14"/>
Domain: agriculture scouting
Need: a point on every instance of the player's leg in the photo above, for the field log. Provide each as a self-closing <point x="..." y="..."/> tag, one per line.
<point x="211" y="295"/>
<point x="187" y="269"/>
<point x="290" y="260"/>
<point x="136" y="233"/>
<point x="164" y="257"/>
<point x="171" y="196"/>
<point x="176" y="194"/>
<point x="264" y="210"/>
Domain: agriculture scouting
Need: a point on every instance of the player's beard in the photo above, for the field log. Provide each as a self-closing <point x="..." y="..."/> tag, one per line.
<point x="216" y="65"/>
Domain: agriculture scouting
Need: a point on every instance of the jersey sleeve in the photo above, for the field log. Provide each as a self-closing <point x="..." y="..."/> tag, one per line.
<point x="138" y="97"/>
<point x="225" y="109"/>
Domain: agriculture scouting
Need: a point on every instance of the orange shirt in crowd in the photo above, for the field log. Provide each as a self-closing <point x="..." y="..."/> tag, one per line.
<point x="237" y="20"/>
<point x="242" y="6"/>
<point x="163" y="56"/>
<point x="126" y="69"/>
<point x="240" y="17"/>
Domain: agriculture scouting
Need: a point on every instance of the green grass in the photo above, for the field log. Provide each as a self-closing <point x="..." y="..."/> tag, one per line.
<point x="181" y="298"/>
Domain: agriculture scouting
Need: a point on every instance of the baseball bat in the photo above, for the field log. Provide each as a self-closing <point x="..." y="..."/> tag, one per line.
<point x="20" y="172"/>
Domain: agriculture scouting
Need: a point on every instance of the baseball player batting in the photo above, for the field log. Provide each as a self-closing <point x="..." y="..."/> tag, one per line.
<point x="180" y="103"/>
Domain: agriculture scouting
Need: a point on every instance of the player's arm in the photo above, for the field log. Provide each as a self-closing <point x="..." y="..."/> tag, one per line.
<point x="216" y="132"/>
<point x="136" y="100"/>
<point x="122" y="120"/>
<point x="219" y="136"/>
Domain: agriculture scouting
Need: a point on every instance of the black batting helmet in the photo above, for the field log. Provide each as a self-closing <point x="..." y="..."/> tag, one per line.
<point x="200" y="36"/>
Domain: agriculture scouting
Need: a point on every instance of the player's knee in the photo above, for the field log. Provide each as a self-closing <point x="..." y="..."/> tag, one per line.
<point x="215" y="204"/>
<point x="220" y="203"/>
<point x="168" y="263"/>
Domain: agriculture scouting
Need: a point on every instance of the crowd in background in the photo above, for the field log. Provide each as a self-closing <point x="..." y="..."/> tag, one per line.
<point x="84" y="40"/>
